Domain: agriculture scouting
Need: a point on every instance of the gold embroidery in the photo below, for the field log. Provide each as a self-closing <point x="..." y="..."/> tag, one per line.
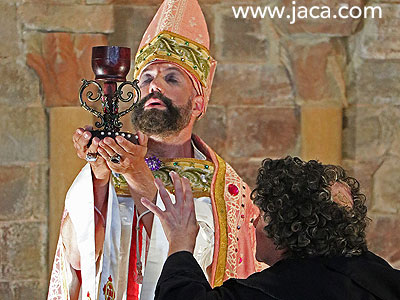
<point x="221" y="210"/>
<point x="179" y="15"/>
<point x="63" y="271"/>
<point x="173" y="47"/>
<point x="166" y="15"/>
<point x="233" y="217"/>
<point x="199" y="172"/>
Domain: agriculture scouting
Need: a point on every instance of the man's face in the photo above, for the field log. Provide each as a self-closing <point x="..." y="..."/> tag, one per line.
<point x="265" y="248"/>
<point x="166" y="106"/>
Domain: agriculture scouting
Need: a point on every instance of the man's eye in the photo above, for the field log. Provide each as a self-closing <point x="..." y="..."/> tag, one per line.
<point x="146" y="80"/>
<point x="171" y="79"/>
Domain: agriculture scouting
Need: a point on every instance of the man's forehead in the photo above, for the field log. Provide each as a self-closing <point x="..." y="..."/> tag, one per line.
<point x="162" y="66"/>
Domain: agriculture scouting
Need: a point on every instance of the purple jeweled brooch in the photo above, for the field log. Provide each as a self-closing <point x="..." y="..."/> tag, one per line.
<point x="153" y="162"/>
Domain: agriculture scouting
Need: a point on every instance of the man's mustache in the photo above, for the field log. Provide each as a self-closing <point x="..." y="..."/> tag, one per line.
<point x="156" y="95"/>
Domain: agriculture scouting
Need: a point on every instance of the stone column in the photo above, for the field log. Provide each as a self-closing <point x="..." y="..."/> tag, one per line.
<point x="321" y="133"/>
<point x="317" y="66"/>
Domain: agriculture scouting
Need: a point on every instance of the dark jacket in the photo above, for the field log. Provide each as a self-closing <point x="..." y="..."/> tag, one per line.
<point x="363" y="277"/>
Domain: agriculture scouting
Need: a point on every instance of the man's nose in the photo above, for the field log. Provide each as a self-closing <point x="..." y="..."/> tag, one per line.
<point x="156" y="85"/>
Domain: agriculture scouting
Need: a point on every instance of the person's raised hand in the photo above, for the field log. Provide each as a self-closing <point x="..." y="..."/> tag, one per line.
<point x="81" y="138"/>
<point x="178" y="219"/>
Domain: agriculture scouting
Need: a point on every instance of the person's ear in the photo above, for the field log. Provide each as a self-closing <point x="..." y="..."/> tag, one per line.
<point x="198" y="105"/>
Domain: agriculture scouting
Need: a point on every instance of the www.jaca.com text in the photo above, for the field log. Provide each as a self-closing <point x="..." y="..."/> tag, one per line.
<point x="295" y="12"/>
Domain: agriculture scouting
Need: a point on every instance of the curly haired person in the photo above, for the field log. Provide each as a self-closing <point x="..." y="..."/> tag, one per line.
<point x="311" y="231"/>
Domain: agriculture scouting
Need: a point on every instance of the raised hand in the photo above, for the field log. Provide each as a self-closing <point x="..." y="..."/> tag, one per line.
<point x="179" y="218"/>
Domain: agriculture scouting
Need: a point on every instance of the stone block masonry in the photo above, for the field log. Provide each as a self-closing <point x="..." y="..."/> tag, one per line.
<point x="327" y="90"/>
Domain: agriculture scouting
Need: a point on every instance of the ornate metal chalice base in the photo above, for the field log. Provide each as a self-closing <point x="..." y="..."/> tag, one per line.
<point x="110" y="65"/>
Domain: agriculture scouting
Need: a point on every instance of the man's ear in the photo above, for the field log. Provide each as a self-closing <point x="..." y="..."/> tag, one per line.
<point x="198" y="105"/>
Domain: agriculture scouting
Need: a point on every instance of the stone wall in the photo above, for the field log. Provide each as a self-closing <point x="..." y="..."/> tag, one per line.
<point x="24" y="168"/>
<point x="371" y="131"/>
<point x="325" y="90"/>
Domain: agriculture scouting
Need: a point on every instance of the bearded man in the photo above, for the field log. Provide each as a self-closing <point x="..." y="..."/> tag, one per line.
<point x="110" y="247"/>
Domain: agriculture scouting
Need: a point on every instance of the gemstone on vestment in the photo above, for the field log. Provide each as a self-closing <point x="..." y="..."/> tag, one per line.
<point x="233" y="189"/>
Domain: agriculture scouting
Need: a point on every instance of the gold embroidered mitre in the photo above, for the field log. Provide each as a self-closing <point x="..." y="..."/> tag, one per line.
<point x="173" y="47"/>
<point x="178" y="34"/>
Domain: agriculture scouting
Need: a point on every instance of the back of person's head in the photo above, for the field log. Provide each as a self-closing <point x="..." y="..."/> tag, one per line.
<point x="311" y="209"/>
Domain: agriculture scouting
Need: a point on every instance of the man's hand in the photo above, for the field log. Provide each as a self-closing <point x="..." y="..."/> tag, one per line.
<point x="131" y="155"/>
<point x="99" y="167"/>
<point x="179" y="219"/>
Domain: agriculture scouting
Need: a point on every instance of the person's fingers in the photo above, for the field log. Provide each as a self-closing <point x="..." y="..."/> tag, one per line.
<point x="94" y="146"/>
<point x="189" y="201"/>
<point x="81" y="139"/>
<point x="128" y="146"/>
<point x="163" y="194"/>
<point x="143" y="139"/>
<point x="77" y="134"/>
<point x="179" y="194"/>
<point x="107" y="148"/>
<point x="187" y="189"/>
<point x="152" y="207"/>
<point x="104" y="154"/>
<point x="75" y="137"/>
<point x="84" y="139"/>
<point x="80" y="133"/>
<point x="112" y="146"/>
<point x="188" y="208"/>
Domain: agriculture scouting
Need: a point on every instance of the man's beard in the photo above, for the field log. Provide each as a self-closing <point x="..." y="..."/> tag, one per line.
<point x="165" y="122"/>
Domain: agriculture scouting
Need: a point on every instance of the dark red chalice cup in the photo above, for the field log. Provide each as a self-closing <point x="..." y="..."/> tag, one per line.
<point x="111" y="65"/>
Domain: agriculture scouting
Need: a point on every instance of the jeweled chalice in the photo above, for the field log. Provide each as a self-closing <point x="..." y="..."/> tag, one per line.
<point x="110" y="65"/>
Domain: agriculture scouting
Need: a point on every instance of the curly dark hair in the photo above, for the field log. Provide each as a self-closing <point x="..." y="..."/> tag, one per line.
<point x="301" y="216"/>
